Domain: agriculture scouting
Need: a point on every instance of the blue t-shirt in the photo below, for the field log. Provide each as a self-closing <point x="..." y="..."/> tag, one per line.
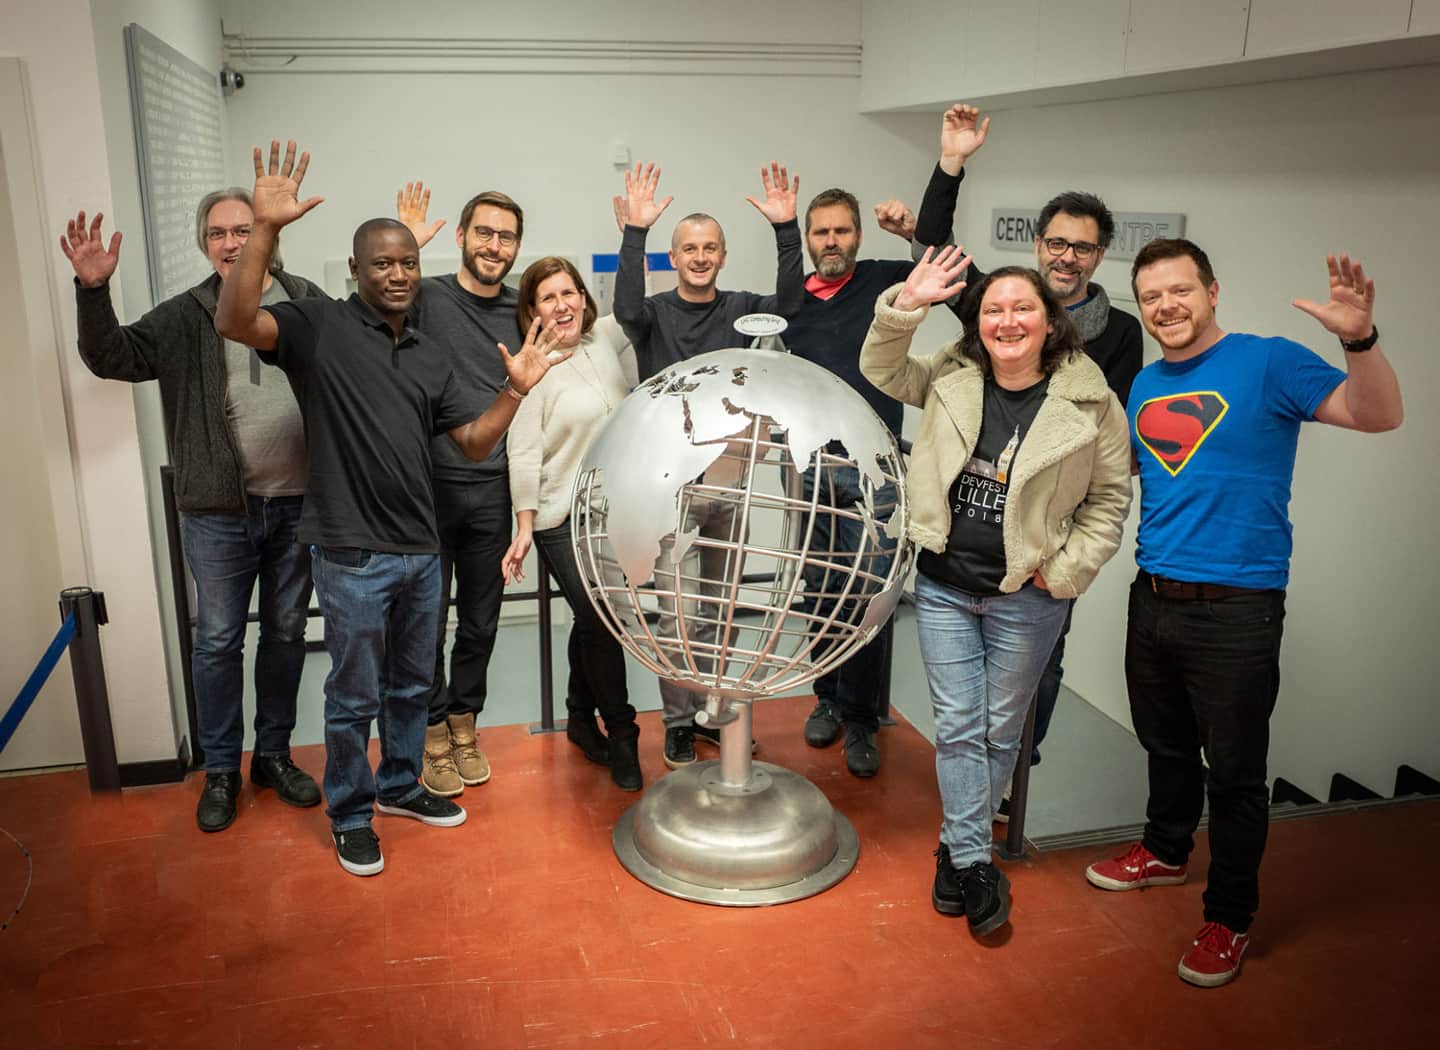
<point x="1215" y="438"/>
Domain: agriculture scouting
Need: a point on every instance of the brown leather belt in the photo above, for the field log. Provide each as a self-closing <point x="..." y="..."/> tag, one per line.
<point x="1182" y="590"/>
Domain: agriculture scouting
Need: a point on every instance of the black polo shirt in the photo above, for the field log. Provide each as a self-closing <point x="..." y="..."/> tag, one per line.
<point x="371" y="403"/>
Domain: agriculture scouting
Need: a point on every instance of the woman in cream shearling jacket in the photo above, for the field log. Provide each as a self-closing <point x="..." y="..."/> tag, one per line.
<point x="1018" y="484"/>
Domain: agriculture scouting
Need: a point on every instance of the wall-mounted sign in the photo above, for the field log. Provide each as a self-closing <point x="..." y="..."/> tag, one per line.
<point x="1013" y="229"/>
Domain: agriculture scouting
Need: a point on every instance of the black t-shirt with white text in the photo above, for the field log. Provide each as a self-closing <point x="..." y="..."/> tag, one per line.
<point x="371" y="403"/>
<point x="974" y="559"/>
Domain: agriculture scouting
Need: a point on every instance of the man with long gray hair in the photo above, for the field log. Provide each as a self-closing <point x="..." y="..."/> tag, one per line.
<point x="235" y="438"/>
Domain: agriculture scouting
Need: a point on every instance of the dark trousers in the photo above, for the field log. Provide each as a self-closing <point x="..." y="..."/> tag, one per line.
<point x="1047" y="693"/>
<point x="1203" y="676"/>
<point x="597" y="662"/>
<point x="473" y="519"/>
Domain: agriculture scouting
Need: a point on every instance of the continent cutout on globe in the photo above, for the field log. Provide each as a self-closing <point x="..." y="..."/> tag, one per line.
<point x="676" y="426"/>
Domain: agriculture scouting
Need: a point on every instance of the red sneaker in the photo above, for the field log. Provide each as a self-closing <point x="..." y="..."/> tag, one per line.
<point x="1133" y="869"/>
<point x="1214" y="958"/>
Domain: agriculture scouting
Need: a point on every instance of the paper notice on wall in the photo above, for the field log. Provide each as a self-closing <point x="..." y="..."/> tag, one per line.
<point x="659" y="277"/>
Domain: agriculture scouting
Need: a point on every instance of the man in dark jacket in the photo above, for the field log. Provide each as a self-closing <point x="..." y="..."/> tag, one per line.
<point x="235" y="438"/>
<point x="1072" y="233"/>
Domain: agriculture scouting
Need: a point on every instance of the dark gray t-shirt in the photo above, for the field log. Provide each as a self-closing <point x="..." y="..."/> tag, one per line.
<point x="471" y="327"/>
<point x="264" y="417"/>
<point x="974" y="559"/>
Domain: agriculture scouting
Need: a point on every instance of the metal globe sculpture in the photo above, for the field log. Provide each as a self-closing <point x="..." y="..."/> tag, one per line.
<point x="707" y="519"/>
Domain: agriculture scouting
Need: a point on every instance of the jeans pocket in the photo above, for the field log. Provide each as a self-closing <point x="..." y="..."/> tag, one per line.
<point x="346" y="557"/>
<point x="1242" y="611"/>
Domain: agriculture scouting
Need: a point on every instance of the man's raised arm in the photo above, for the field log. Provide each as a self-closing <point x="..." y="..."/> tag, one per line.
<point x="962" y="133"/>
<point x="276" y="203"/>
<point x="639" y="212"/>
<point x="779" y="207"/>
<point x="523" y="370"/>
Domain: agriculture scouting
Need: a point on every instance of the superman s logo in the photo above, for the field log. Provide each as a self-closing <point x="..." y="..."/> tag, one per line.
<point x="1173" y="427"/>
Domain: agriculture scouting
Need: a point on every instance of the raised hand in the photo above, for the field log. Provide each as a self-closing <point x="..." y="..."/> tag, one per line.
<point x="412" y="206"/>
<point x="622" y="211"/>
<point x="962" y="132"/>
<point x="1350" y="312"/>
<point x="934" y="279"/>
<point x="93" y="262"/>
<point x="640" y="206"/>
<point x="276" y="198"/>
<point x="781" y="192"/>
<point x="529" y="366"/>
<point x="893" y="217"/>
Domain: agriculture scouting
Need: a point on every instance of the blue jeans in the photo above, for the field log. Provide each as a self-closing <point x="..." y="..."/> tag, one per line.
<point x="226" y="554"/>
<point x="983" y="657"/>
<point x="381" y="613"/>
<point x="1047" y="693"/>
<point x="853" y="689"/>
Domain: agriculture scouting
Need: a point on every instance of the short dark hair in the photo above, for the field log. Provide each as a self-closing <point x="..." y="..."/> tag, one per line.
<point x="1061" y="344"/>
<point x="1163" y="248"/>
<point x="530" y="280"/>
<point x="495" y="199"/>
<point x="364" y="231"/>
<point x="834" y="195"/>
<point x="1083" y="206"/>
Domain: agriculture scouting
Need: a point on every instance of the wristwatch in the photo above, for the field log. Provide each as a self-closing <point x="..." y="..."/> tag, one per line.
<point x="1356" y="346"/>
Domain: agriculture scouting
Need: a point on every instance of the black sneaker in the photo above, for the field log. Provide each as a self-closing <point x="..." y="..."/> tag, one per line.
<point x="292" y="784"/>
<point x="862" y="753"/>
<point x="427" y="809"/>
<point x="948" y="894"/>
<point x="987" y="897"/>
<point x="359" y="851"/>
<point x="582" y="731"/>
<point x="822" y="728"/>
<point x="711" y="735"/>
<point x="216" y="810"/>
<point x="679" y="746"/>
<point x="625" y="763"/>
<point x="1002" y="815"/>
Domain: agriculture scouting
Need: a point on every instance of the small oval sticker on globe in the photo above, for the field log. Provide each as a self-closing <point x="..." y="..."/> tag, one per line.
<point x="757" y="326"/>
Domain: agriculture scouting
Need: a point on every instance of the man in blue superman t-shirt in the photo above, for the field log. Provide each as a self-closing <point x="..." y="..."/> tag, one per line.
<point x="1214" y="426"/>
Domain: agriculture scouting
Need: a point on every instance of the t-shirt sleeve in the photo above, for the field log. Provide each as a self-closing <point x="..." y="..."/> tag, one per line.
<point x="458" y="403"/>
<point x="299" y="322"/>
<point x="1298" y="379"/>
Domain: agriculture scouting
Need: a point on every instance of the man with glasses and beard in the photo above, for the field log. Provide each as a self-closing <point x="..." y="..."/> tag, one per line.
<point x="1071" y="236"/>
<point x="473" y="311"/>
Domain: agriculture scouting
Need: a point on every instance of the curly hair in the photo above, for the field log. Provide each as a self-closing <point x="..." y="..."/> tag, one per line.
<point x="1061" y="344"/>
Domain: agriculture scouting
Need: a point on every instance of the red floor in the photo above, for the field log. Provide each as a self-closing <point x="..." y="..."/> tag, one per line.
<point x="521" y="930"/>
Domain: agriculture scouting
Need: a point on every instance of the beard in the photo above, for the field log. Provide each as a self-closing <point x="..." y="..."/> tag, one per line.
<point x="831" y="266"/>
<point x="472" y="264"/>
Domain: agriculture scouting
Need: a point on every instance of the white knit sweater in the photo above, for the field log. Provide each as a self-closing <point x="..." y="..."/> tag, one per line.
<point x="558" y="418"/>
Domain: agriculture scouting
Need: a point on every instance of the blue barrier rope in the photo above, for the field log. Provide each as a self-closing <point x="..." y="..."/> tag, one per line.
<point x="31" y="689"/>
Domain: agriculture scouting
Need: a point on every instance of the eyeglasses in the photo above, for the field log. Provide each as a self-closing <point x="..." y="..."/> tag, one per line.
<point x="216" y="234"/>
<point x="506" y="238"/>
<point x="1058" y="246"/>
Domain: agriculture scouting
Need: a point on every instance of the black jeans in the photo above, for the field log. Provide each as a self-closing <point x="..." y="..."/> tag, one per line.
<point x="473" y="519"/>
<point x="597" y="662"/>
<point x="1204" y="674"/>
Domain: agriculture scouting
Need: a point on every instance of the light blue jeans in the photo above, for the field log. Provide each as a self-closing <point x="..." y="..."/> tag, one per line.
<point x="983" y="657"/>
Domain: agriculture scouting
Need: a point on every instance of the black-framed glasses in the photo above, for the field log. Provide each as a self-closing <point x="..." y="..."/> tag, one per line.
<point x="506" y="238"/>
<point x="1058" y="246"/>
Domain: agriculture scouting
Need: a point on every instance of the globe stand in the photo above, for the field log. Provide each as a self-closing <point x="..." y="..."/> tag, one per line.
<point x="735" y="832"/>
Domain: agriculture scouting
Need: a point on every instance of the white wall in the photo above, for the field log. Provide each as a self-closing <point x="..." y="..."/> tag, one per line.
<point x="73" y="93"/>
<point x="1271" y="177"/>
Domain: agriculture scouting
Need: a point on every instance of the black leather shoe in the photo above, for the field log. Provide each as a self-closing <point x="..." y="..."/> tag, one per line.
<point x="292" y="785"/>
<point x="948" y="895"/>
<point x="625" y="763"/>
<point x="216" y="810"/>
<point x="679" y="746"/>
<point x="582" y="731"/>
<point x="862" y="752"/>
<point x="987" y="897"/>
<point x="822" y="728"/>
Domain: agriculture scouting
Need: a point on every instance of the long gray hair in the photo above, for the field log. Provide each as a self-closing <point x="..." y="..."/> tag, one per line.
<point x="202" y="220"/>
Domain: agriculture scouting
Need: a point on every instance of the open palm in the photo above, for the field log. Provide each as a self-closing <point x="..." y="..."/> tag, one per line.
<point x="276" y="197"/>
<point x="934" y="280"/>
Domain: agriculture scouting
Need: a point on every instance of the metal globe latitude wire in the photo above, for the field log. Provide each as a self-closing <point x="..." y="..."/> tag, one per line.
<point x="711" y="523"/>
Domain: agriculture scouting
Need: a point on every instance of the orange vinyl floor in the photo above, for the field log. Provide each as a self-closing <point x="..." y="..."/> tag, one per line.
<point x="520" y="929"/>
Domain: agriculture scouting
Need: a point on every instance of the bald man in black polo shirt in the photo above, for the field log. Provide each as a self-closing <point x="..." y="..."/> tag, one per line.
<point x="372" y="391"/>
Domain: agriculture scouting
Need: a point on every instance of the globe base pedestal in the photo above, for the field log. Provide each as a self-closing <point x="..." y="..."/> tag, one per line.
<point x="773" y="839"/>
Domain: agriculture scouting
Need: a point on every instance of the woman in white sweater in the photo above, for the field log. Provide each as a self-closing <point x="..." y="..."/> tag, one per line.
<point x="550" y="434"/>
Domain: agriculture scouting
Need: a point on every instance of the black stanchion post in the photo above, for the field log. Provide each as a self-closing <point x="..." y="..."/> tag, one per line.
<point x="1014" y="848"/>
<point x="181" y="593"/>
<point x="91" y="696"/>
<point x="547" y="674"/>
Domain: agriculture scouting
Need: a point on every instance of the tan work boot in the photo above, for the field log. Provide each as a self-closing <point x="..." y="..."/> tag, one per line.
<point x="438" y="774"/>
<point x="474" y="767"/>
